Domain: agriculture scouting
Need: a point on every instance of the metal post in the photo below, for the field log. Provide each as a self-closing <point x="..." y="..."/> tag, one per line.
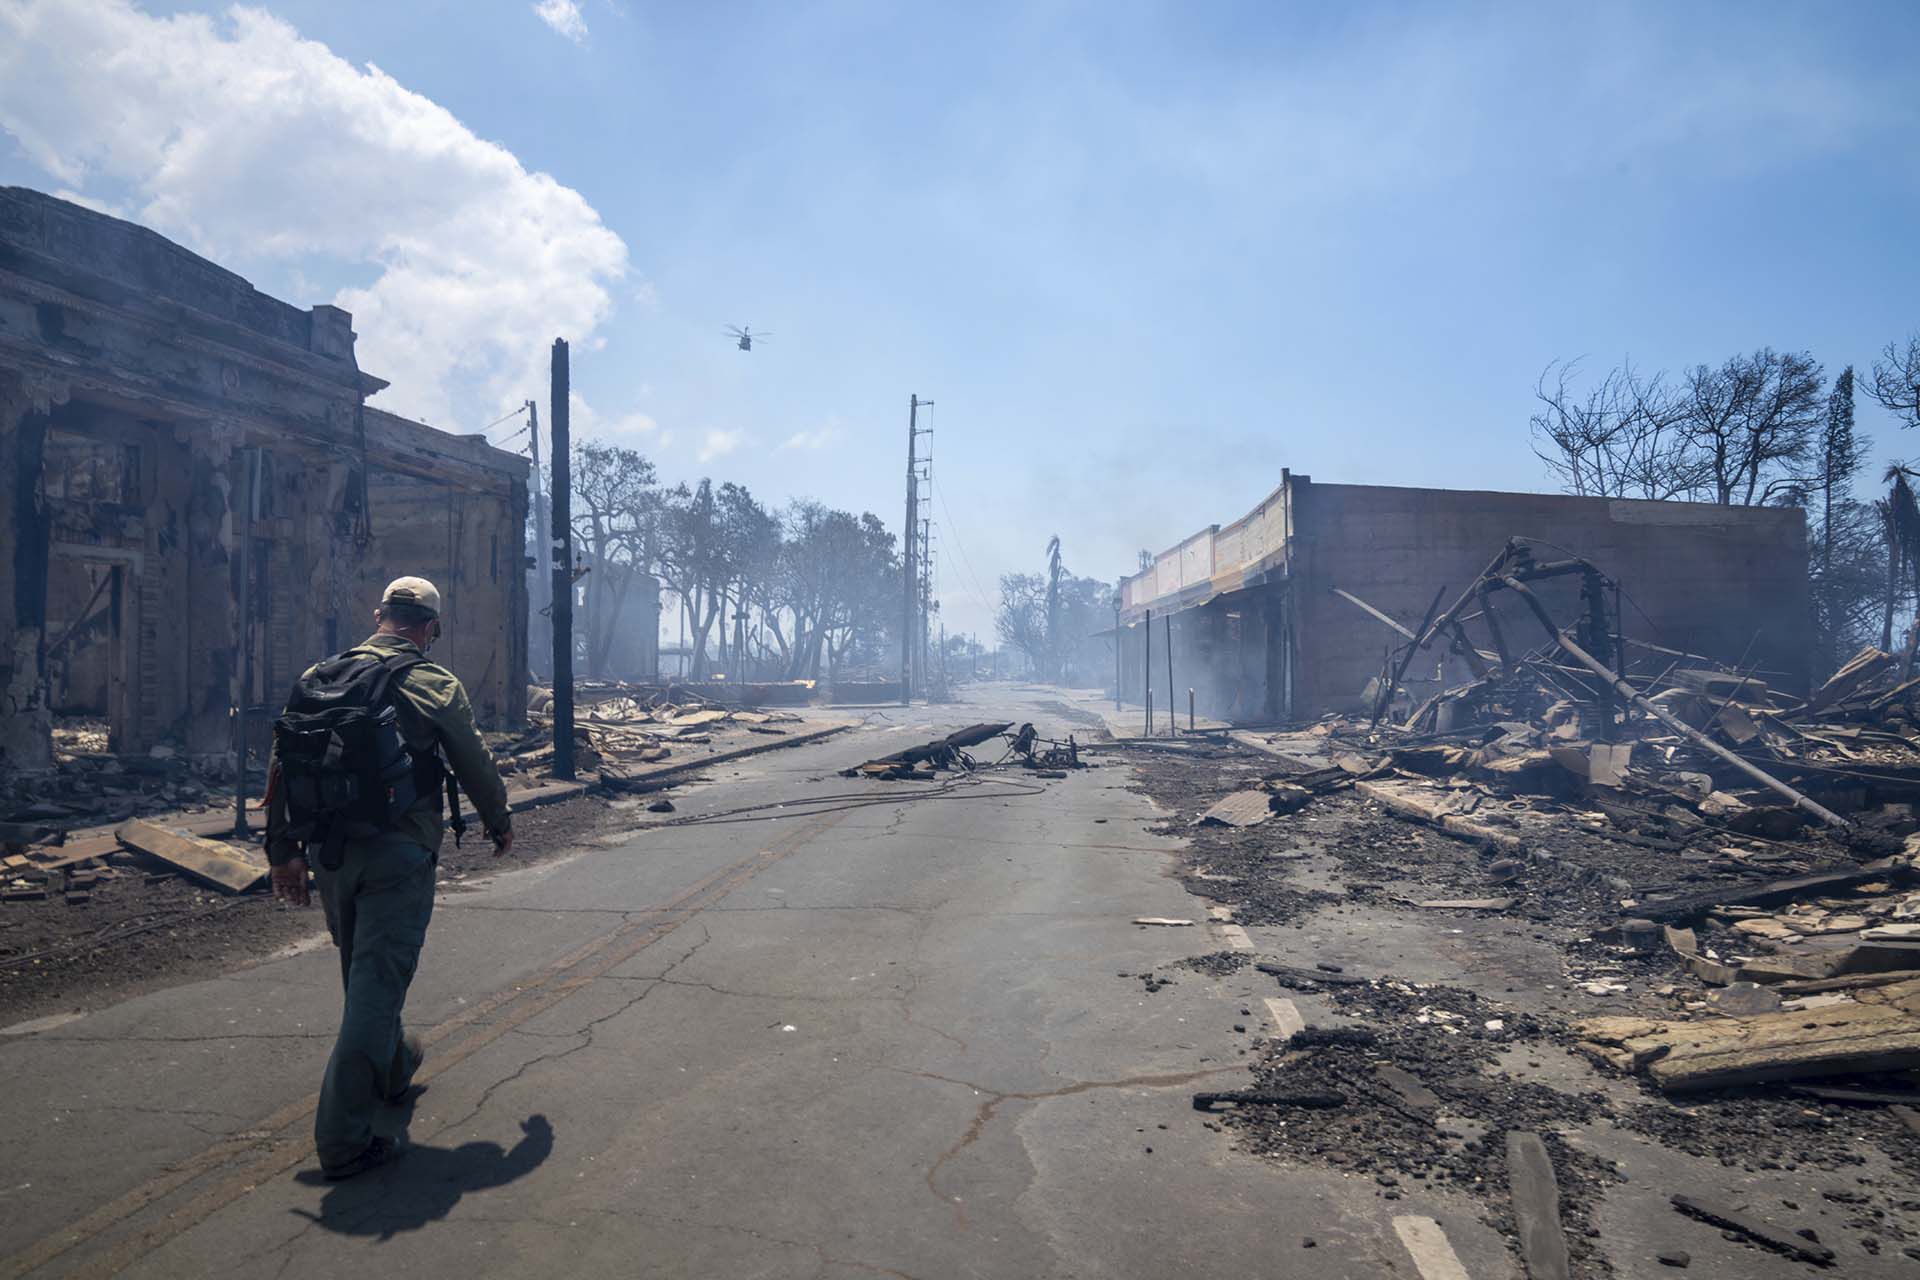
<point x="1116" y="653"/>
<point x="562" y="536"/>
<point x="1146" y="667"/>
<point x="1173" y="716"/>
<point x="908" y="533"/>
<point x="1190" y="724"/>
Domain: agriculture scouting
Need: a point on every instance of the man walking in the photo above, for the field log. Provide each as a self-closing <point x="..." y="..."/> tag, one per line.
<point x="358" y="772"/>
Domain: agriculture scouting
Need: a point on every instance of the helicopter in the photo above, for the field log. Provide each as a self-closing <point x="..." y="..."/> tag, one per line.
<point x="744" y="338"/>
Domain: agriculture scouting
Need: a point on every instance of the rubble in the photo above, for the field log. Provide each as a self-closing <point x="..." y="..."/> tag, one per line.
<point x="222" y="865"/>
<point x="1724" y="869"/>
<point x="1801" y="1247"/>
<point x="922" y="761"/>
<point x="620" y="727"/>
<point x="1041" y="757"/>
<point x="1875" y="1030"/>
<point x="1536" y="1207"/>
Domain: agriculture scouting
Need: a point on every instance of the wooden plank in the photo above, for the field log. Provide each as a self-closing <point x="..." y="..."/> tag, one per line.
<point x="1536" y="1207"/>
<point x="1877" y="957"/>
<point x="1852" y="982"/>
<point x="1467" y="904"/>
<point x="1759" y="1232"/>
<point x="1849" y="1039"/>
<point x="223" y="865"/>
<point x="1864" y="1097"/>
<point x="1769" y="892"/>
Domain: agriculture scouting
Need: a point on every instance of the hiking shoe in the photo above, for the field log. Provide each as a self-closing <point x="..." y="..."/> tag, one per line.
<point x="379" y="1151"/>
<point x="416" y="1054"/>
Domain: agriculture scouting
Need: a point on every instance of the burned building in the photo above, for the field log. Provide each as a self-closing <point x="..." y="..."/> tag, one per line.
<point x="1273" y="617"/>
<point x="198" y="501"/>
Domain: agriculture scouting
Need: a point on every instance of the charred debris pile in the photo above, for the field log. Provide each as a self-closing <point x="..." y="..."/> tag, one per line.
<point x="619" y="727"/>
<point x="1023" y="748"/>
<point x="1781" y="830"/>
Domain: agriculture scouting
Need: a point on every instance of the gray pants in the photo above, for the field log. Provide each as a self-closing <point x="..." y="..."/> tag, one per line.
<point x="377" y="906"/>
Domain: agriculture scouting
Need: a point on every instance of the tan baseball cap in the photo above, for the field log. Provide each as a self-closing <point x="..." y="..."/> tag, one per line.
<point x="417" y="592"/>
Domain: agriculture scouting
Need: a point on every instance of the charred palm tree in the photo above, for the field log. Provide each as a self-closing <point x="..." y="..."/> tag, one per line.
<point x="1904" y="525"/>
<point x="1890" y="535"/>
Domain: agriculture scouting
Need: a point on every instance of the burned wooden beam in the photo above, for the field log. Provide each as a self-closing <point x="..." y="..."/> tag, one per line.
<point x="1681" y="727"/>
<point x="1761" y="1233"/>
<point x="1536" y="1207"/>
<point x="218" y="864"/>
<point x="1768" y="893"/>
<point x="1311" y="1101"/>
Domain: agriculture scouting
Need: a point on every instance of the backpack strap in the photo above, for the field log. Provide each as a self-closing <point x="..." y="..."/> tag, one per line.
<point x="390" y="668"/>
<point x="398" y="665"/>
<point x="457" y="820"/>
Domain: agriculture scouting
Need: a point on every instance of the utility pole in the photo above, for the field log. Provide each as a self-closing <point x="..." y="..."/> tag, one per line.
<point x="908" y="533"/>
<point x="243" y="669"/>
<point x="542" y="550"/>
<point x="562" y="569"/>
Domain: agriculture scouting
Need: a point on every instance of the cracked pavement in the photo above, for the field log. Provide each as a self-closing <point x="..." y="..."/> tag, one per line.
<point x="883" y="1040"/>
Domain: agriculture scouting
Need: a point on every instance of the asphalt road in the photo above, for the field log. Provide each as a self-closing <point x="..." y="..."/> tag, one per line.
<point x="879" y="1035"/>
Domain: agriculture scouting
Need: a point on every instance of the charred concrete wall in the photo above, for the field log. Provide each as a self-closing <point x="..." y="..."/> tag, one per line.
<point x="197" y="504"/>
<point x="1258" y="634"/>
<point x="1726" y="582"/>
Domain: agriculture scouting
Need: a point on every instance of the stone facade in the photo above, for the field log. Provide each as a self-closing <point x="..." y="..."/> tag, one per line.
<point x="198" y="501"/>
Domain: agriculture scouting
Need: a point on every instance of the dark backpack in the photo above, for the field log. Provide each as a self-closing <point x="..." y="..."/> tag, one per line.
<point x="347" y="771"/>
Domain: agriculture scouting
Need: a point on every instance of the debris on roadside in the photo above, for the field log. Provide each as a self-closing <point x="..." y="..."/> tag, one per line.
<point x="1041" y="757"/>
<point x="1319" y="1101"/>
<point x="925" y="760"/>
<point x="223" y="865"/>
<point x="1536" y="1207"/>
<point x="1876" y="1029"/>
<point x="619" y="728"/>
<point x="1799" y="1246"/>
<point x="1719" y="873"/>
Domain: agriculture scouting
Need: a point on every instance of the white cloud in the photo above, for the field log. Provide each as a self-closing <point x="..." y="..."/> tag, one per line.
<point x="717" y="443"/>
<point x="588" y="423"/>
<point x="266" y="151"/>
<point x="819" y="438"/>
<point x="564" y="16"/>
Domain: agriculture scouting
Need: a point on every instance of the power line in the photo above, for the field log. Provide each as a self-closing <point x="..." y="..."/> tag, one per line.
<point x="979" y="593"/>
<point x="513" y="413"/>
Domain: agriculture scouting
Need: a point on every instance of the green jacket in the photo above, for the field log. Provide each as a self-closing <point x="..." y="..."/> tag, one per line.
<point x="433" y="711"/>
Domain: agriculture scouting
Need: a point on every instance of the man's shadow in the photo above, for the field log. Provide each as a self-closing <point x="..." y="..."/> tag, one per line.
<point x="425" y="1183"/>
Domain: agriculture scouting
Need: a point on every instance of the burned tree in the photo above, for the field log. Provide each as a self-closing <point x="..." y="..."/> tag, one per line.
<point x="1742" y="433"/>
<point x="1618" y="439"/>
<point x="1751" y="424"/>
<point x="1896" y="381"/>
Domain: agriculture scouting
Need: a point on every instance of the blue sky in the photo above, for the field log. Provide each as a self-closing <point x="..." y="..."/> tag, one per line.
<point x="1141" y="256"/>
